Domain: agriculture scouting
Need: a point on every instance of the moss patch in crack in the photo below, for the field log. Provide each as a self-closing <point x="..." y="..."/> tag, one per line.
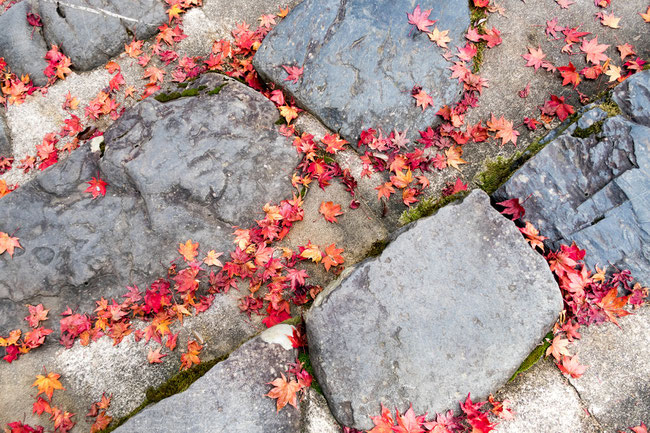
<point x="534" y="356"/>
<point x="166" y="97"/>
<point x="377" y="248"/>
<point x="428" y="207"/>
<point x="306" y="363"/>
<point x="477" y="17"/>
<point x="594" y="129"/>
<point x="216" y="90"/>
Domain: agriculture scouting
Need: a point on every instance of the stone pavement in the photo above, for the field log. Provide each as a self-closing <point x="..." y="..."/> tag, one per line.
<point x="451" y="304"/>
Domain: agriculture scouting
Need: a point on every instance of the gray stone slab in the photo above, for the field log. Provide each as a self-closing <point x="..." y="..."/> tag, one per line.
<point x="23" y="53"/>
<point x="90" y="32"/>
<point x="453" y="305"/>
<point x="543" y="401"/>
<point x="5" y="138"/>
<point x="596" y="190"/>
<point x="361" y="60"/>
<point x="228" y="398"/>
<point x="616" y="385"/>
<point x="188" y="169"/>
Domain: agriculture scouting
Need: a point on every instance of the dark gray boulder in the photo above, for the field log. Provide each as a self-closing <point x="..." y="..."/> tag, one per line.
<point x="595" y="190"/>
<point x="361" y="60"/>
<point x="190" y="168"/>
<point x="90" y="32"/>
<point x="24" y="53"/>
<point x="453" y="305"/>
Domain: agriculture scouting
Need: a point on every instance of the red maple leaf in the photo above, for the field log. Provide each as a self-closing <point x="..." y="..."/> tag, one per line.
<point x="512" y="207"/>
<point x="422" y="98"/>
<point x="384" y="422"/>
<point x="594" y="50"/>
<point x="332" y="257"/>
<point x="570" y="75"/>
<point x="535" y="57"/>
<point x="409" y="423"/>
<point x="97" y="187"/>
<point x="571" y="367"/>
<point x="294" y="73"/>
<point x="8" y="243"/>
<point x="420" y="19"/>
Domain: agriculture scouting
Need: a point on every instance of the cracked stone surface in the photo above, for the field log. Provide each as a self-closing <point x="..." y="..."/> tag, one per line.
<point x="355" y="56"/>
<point x="5" y="139"/>
<point x="90" y="32"/>
<point x="187" y="169"/>
<point x="230" y="397"/>
<point x="543" y="401"/>
<point x="452" y="305"/>
<point x="596" y="190"/>
<point x="616" y="385"/>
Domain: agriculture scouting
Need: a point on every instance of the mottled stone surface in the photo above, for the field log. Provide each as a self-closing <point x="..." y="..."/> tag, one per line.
<point x="596" y="190"/>
<point x="451" y="306"/>
<point x="229" y="397"/>
<point x="361" y="60"/>
<point x="542" y="400"/>
<point x="5" y="140"/>
<point x="90" y="32"/>
<point x="188" y="169"/>
<point x="616" y="385"/>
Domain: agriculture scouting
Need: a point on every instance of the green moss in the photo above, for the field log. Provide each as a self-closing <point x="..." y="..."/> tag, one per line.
<point x="428" y="207"/>
<point x="306" y="362"/>
<point x="190" y="92"/>
<point x="183" y="85"/>
<point x="216" y="90"/>
<point x="377" y="248"/>
<point x="477" y="17"/>
<point x="594" y="129"/>
<point x="610" y="107"/>
<point x="174" y="385"/>
<point x="166" y="97"/>
<point x="496" y="173"/>
<point x="534" y="356"/>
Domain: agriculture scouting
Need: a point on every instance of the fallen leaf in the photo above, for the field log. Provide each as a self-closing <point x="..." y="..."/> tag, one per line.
<point x="8" y="243"/>
<point x="332" y="257"/>
<point x="571" y="367"/>
<point x="154" y="356"/>
<point x="97" y="187"/>
<point x="420" y="19"/>
<point x="454" y="159"/>
<point x="284" y="391"/>
<point x="558" y="348"/>
<point x="48" y="383"/>
<point x="330" y="211"/>
<point x="294" y="73"/>
<point x="189" y="250"/>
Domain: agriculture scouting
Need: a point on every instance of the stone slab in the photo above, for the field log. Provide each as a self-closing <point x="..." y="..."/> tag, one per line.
<point x="453" y="305"/>
<point x="616" y="385"/>
<point x="229" y="397"/>
<point x="361" y="60"/>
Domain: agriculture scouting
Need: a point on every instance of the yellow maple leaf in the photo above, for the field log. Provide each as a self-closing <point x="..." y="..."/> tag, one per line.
<point x="48" y="383"/>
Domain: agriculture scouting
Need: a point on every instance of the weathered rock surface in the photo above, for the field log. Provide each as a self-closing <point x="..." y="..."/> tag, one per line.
<point x="596" y="190"/>
<point x="90" y="32"/>
<point x="452" y="305"/>
<point x="230" y="397"/>
<point x="361" y="60"/>
<point x="543" y="401"/>
<point x="5" y="143"/>
<point x="187" y="169"/>
<point x="616" y="385"/>
<point x="23" y="54"/>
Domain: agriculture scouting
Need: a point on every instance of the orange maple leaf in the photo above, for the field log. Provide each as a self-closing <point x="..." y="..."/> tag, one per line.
<point x="191" y="357"/>
<point x="8" y="243"/>
<point x="289" y="113"/>
<point x="558" y="348"/>
<point x="571" y="367"/>
<point x="385" y="190"/>
<point x="36" y="314"/>
<point x="332" y="257"/>
<point x="48" y="383"/>
<point x="212" y="258"/>
<point x="188" y="250"/>
<point x="532" y="236"/>
<point x="101" y="422"/>
<point x="330" y="211"/>
<point x="454" y="154"/>
<point x="612" y="305"/>
<point x="423" y="99"/>
<point x="284" y="391"/>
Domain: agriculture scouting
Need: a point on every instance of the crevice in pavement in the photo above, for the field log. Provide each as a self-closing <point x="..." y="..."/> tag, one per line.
<point x="585" y="406"/>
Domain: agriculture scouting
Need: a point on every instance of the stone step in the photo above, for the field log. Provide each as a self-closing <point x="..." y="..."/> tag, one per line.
<point x="231" y="396"/>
